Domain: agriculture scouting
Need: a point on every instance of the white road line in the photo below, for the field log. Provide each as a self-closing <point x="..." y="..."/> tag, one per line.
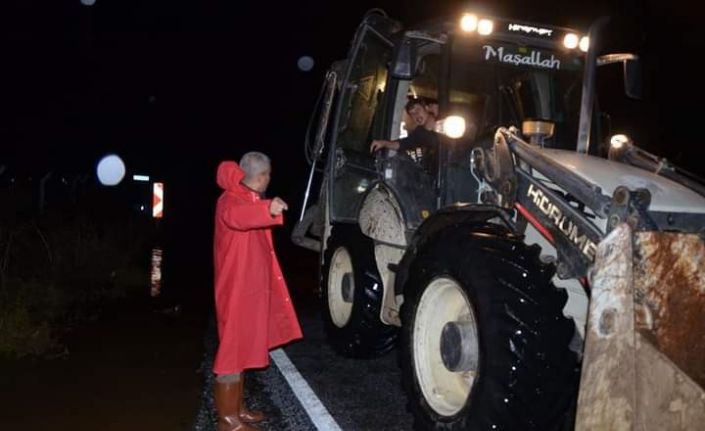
<point x="314" y="408"/>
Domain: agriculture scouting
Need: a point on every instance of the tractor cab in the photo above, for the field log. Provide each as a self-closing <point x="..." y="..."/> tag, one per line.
<point x="478" y="75"/>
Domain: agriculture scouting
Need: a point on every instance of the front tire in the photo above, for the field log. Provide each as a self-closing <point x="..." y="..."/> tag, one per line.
<point x="352" y="296"/>
<point x="485" y="344"/>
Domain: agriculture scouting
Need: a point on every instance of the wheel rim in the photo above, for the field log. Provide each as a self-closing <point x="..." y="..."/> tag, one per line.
<point x="443" y="301"/>
<point x="341" y="287"/>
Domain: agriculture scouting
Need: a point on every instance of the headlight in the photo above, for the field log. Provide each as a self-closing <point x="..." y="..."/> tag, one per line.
<point x="468" y="22"/>
<point x="619" y="141"/>
<point x="570" y="41"/>
<point x="619" y="145"/>
<point x="584" y="44"/>
<point x="453" y="126"/>
<point x="485" y="27"/>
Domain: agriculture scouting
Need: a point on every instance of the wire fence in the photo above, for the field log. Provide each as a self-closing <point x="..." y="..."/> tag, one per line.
<point x="66" y="244"/>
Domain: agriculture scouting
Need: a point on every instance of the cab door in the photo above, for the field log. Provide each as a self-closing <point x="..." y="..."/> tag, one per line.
<point x="351" y="167"/>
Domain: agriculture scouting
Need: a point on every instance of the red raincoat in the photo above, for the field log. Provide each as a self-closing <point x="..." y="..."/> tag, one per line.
<point x="252" y="302"/>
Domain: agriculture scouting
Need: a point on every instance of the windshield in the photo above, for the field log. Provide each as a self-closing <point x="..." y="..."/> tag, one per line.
<point x="502" y="85"/>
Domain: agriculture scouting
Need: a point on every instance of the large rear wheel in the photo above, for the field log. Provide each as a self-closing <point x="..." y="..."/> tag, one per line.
<point x="352" y="296"/>
<point x="485" y="344"/>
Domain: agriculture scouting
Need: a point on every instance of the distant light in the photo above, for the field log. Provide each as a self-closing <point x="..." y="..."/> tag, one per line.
<point x="584" y="44"/>
<point x="143" y="178"/>
<point x="570" y="41"/>
<point x="87" y="2"/>
<point x="468" y="22"/>
<point x="305" y="63"/>
<point x="485" y="27"/>
<point x="141" y="207"/>
<point x="111" y="170"/>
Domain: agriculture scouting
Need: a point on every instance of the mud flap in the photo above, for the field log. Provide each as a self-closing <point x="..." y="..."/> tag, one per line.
<point x="644" y="360"/>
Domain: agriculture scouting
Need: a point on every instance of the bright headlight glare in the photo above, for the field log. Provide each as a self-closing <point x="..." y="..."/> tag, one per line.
<point x="619" y="141"/>
<point x="584" y="43"/>
<point x="485" y="27"/>
<point x="454" y="126"/>
<point x="468" y="22"/>
<point x="570" y="41"/>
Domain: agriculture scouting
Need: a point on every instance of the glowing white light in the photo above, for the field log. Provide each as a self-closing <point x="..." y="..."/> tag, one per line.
<point x="468" y="22"/>
<point x="362" y="186"/>
<point x="619" y="141"/>
<point x="584" y="43"/>
<point x="305" y="63"/>
<point x="110" y="170"/>
<point x="570" y="41"/>
<point x="87" y="2"/>
<point x="485" y="27"/>
<point x="403" y="133"/>
<point x="143" y="178"/>
<point x="454" y="126"/>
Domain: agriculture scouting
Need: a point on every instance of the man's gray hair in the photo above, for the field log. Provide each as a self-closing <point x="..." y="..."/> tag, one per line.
<point x="254" y="163"/>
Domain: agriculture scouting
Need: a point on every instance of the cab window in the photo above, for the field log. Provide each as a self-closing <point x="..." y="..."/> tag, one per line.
<point x="365" y="91"/>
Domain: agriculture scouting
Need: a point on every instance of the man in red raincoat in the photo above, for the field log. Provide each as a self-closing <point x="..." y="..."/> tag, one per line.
<point x="254" y="311"/>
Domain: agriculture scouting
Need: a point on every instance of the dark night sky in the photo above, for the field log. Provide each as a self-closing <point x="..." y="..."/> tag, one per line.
<point x="166" y="82"/>
<point x="175" y="86"/>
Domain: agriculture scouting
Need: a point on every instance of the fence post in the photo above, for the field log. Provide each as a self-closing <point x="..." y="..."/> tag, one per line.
<point x="42" y="190"/>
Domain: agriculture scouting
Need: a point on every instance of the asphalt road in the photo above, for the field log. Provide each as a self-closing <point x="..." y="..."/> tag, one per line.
<point x="357" y="394"/>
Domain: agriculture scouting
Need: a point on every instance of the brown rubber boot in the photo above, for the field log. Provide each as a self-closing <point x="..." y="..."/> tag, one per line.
<point x="248" y="416"/>
<point x="228" y="399"/>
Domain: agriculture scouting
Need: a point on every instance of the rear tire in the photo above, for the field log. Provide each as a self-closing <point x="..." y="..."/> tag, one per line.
<point x="352" y="296"/>
<point x="522" y="376"/>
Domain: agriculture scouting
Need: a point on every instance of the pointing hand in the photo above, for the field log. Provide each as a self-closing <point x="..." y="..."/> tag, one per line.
<point x="277" y="206"/>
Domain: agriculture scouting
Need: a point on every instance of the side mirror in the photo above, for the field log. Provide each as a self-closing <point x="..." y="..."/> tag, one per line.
<point x="632" y="71"/>
<point x="404" y="60"/>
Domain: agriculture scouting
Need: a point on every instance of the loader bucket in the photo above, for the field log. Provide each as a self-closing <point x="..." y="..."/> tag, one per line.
<point x="644" y="356"/>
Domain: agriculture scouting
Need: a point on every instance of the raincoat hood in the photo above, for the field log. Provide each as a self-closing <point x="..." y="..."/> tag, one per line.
<point x="229" y="175"/>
